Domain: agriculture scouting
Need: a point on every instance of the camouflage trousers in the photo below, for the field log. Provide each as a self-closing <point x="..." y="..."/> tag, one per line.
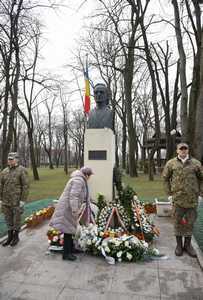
<point x="12" y="217"/>
<point x="184" y="219"/>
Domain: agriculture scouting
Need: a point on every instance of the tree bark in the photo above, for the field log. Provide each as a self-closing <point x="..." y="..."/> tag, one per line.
<point x="183" y="80"/>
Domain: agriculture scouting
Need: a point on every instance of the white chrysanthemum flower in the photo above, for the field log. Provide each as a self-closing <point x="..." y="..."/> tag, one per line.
<point x="117" y="243"/>
<point x="119" y="254"/>
<point x="107" y="249"/>
<point x="89" y="242"/>
<point x="94" y="240"/>
<point x="156" y="251"/>
<point x="120" y="260"/>
<point x="126" y="244"/>
<point x="145" y="244"/>
<point x="129" y="256"/>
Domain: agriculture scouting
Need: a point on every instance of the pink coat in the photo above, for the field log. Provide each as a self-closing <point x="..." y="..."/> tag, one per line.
<point x="67" y="209"/>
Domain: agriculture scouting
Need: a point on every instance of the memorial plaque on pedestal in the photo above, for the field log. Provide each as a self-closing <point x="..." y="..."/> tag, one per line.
<point x="99" y="154"/>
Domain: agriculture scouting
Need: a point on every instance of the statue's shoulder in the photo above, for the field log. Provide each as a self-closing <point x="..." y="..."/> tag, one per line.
<point x="109" y="110"/>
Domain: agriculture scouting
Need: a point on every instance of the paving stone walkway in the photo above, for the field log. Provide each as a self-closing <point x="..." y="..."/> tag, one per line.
<point x="27" y="272"/>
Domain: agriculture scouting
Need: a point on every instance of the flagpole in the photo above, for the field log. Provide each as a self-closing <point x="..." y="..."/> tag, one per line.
<point x="87" y="91"/>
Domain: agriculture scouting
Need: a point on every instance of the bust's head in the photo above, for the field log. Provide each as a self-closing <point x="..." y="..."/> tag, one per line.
<point x="101" y="94"/>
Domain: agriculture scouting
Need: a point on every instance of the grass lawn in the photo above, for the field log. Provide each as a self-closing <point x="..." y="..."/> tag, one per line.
<point x="145" y="189"/>
<point x="52" y="183"/>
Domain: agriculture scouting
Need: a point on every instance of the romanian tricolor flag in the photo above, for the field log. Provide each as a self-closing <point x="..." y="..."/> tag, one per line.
<point x="87" y="91"/>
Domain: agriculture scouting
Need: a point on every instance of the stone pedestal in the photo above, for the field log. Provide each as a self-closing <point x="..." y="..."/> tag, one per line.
<point x="99" y="154"/>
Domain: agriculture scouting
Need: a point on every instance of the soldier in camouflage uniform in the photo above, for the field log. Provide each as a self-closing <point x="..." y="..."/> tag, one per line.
<point x="183" y="180"/>
<point x="14" y="187"/>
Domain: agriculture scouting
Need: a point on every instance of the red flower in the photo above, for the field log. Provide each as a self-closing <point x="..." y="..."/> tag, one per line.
<point x="183" y="221"/>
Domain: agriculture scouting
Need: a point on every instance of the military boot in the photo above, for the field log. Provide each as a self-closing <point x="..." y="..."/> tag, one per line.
<point x="9" y="239"/>
<point x="188" y="247"/>
<point x="15" y="239"/>
<point x="179" y="247"/>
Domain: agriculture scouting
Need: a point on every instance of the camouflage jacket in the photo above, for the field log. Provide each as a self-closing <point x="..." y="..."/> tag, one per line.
<point x="14" y="185"/>
<point x="184" y="181"/>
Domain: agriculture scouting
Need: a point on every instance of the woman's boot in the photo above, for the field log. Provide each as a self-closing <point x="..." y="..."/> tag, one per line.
<point x="68" y="247"/>
<point x="15" y="239"/>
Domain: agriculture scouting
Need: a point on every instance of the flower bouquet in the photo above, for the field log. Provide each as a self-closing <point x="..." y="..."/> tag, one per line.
<point x="124" y="248"/>
<point x="111" y="232"/>
<point x="142" y="227"/>
<point x="113" y="215"/>
<point x="150" y="208"/>
<point x="89" y="239"/>
<point x="55" y="237"/>
<point x="127" y="248"/>
<point x="38" y="217"/>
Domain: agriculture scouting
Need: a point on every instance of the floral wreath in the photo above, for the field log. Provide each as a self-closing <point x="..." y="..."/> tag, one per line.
<point x="141" y="221"/>
<point x="107" y="213"/>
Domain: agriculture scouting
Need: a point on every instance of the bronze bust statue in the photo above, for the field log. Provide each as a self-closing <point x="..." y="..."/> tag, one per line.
<point x="101" y="116"/>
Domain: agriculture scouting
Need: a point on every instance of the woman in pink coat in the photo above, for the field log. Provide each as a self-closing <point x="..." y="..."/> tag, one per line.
<point x="67" y="210"/>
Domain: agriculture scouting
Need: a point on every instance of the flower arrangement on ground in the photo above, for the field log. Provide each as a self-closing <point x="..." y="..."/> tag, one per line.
<point x="116" y="219"/>
<point x="38" y="217"/>
<point x="113" y="215"/>
<point x="124" y="248"/>
<point x="150" y="208"/>
<point x="55" y="237"/>
<point x="120" y="232"/>
<point x="89" y="239"/>
<point x="142" y="227"/>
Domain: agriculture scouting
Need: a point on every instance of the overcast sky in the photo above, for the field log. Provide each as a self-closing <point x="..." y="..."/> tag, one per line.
<point x="62" y="29"/>
<point x="64" y="26"/>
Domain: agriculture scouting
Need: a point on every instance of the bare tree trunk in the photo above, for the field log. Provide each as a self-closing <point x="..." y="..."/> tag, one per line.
<point x="5" y="148"/>
<point x="198" y="149"/>
<point x="183" y="81"/>
<point x="65" y="153"/>
<point x="124" y="142"/>
<point x="131" y="131"/>
<point x="154" y="94"/>
<point x="32" y="156"/>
